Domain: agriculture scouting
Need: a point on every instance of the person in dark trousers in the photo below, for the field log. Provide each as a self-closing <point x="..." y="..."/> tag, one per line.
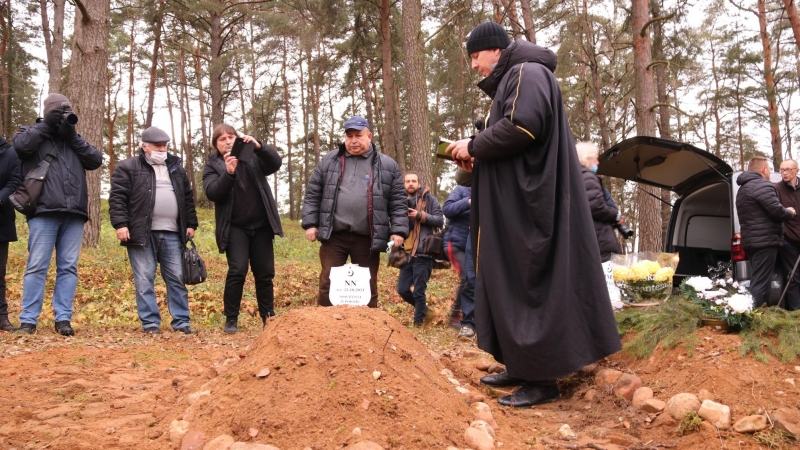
<point x="424" y="215"/>
<point x="247" y="219"/>
<point x="541" y="303"/>
<point x="62" y="210"/>
<point x="456" y="210"/>
<point x="761" y="218"/>
<point x="151" y="205"/>
<point x="10" y="179"/>
<point x="354" y="204"/>
<point x="789" y="194"/>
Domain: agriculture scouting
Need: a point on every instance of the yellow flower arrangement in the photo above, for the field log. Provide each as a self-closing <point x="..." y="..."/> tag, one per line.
<point x="644" y="275"/>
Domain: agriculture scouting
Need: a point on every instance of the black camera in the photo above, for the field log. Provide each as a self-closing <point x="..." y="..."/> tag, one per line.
<point x="67" y="115"/>
<point x="624" y="230"/>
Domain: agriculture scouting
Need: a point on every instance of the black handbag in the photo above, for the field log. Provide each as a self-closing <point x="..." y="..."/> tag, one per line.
<point x="194" y="269"/>
<point x="433" y="245"/>
<point x="26" y="197"/>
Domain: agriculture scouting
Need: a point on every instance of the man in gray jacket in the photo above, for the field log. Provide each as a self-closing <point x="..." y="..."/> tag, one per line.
<point x="354" y="203"/>
<point x="61" y="211"/>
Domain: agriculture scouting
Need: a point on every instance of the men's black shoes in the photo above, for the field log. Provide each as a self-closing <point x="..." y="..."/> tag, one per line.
<point x="501" y="379"/>
<point x="150" y="330"/>
<point x="231" y="325"/>
<point x="186" y="330"/>
<point x="5" y="325"/>
<point x="64" y="328"/>
<point x="530" y="394"/>
<point x="29" y="328"/>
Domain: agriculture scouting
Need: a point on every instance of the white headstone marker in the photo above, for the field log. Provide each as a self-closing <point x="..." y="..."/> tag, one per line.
<point x="350" y="285"/>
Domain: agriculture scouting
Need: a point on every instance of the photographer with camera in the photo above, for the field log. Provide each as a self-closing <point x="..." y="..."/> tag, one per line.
<point x="605" y="214"/>
<point x="61" y="209"/>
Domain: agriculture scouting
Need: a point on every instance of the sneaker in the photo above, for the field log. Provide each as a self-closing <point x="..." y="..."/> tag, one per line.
<point x="151" y="330"/>
<point x="186" y="330"/>
<point x="231" y="325"/>
<point x="64" y="328"/>
<point x="466" y="334"/>
<point x="5" y="325"/>
<point x="29" y="328"/>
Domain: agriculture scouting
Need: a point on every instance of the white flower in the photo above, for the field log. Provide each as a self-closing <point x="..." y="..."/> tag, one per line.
<point x="730" y="281"/>
<point x="718" y="293"/>
<point x="735" y="285"/>
<point x="741" y="303"/>
<point x="721" y="282"/>
<point x="700" y="284"/>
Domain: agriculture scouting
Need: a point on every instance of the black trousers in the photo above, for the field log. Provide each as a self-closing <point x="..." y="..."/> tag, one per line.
<point x="3" y="263"/>
<point x="787" y="257"/>
<point x="762" y="262"/>
<point x="334" y="253"/>
<point x="253" y="248"/>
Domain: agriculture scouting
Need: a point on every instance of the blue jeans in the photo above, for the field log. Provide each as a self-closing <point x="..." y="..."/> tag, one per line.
<point x="64" y="233"/>
<point x="416" y="272"/>
<point x="164" y="248"/>
<point x="468" y="291"/>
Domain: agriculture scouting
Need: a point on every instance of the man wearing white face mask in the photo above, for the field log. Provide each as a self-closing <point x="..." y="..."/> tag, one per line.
<point x="152" y="208"/>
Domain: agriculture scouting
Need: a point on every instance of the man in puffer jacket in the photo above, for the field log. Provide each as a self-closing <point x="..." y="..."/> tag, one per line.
<point x="354" y="203"/>
<point x="761" y="216"/>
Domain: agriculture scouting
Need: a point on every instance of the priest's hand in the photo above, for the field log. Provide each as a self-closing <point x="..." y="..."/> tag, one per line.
<point x="459" y="150"/>
<point x="248" y="138"/>
<point x="230" y="163"/>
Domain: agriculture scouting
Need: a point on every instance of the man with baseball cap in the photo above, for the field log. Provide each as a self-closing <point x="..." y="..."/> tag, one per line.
<point x="537" y="263"/>
<point x="354" y="203"/>
<point x="61" y="211"/>
<point x="152" y="208"/>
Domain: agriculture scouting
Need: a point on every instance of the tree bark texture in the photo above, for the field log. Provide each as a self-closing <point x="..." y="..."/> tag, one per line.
<point x="215" y="69"/>
<point x="649" y="211"/>
<point x="419" y="136"/>
<point x="791" y="11"/>
<point x="86" y="89"/>
<point x="390" y="141"/>
<point x="151" y="89"/>
<point x="287" y="103"/>
<point x="54" y="43"/>
<point x="663" y="111"/>
<point x="5" y="89"/>
<point x="527" y="19"/>
<point x="769" y="80"/>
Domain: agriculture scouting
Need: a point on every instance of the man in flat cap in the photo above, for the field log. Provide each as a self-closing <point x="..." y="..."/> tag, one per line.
<point x="354" y="203"/>
<point x="61" y="211"/>
<point x="152" y="208"/>
<point x="541" y="303"/>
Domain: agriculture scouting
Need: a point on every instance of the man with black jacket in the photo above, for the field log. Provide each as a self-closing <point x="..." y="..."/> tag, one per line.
<point x="424" y="215"/>
<point x="789" y="194"/>
<point x="61" y="211"/>
<point x="354" y="203"/>
<point x="761" y="217"/>
<point x="152" y="208"/>
<point x="9" y="181"/>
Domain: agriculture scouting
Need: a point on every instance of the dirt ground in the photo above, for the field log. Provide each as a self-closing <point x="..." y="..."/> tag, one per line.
<point x="310" y="380"/>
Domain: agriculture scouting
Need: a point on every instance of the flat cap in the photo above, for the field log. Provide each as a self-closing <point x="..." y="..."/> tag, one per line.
<point x="155" y="135"/>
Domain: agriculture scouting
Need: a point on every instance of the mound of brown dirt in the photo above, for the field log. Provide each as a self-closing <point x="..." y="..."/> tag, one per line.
<point x="332" y="371"/>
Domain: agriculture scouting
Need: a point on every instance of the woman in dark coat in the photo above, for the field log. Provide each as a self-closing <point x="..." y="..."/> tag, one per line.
<point x="246" y="217"/>
<point x="604" y="215"/>
<point x="10" y="179"/>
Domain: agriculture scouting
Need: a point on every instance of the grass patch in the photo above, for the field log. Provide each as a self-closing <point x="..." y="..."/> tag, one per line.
<point x="690" y="423"/>
<point x="773" y="438"/>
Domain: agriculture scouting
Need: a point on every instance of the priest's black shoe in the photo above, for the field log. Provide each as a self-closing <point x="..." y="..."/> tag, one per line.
<point x="501" y="379"/>
<point x="529" y="395"/>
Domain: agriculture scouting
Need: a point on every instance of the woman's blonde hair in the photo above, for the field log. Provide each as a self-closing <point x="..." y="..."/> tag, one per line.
<point x="585" y="151"/>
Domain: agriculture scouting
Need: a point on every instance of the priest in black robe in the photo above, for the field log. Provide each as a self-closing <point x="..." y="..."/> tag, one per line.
<point x="541" y="303"/>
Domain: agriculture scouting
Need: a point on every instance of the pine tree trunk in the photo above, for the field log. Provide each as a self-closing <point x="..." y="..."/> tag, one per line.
<point x="649" y="211"/>
<point x="769" y="79"/>
<point x="420" y="136"/>
<point x="391" y="140"/>
<point x="111" y="120"/>
<point x="5" y="38"/>
<point x="599" y="101"/>
<point x="86" y="89"/>
<point x="663" y="110"/>
<point x="131" y="65"/>
<point x="55" y="47"/>
<point x="794" y="20"/>
<point x="527" y="18"/>
<point x="201" y="100"/>
<point x="151" y="89"/>
<point x="287" y="103"/>
<point x="215" y="70"/>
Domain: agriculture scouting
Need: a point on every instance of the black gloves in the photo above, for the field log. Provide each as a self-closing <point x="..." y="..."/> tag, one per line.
<point x="53" y="119"/>
<point x="66" y="130"/>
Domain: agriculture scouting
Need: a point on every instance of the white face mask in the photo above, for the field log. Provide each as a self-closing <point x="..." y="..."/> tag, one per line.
<point x="158" y="157"/>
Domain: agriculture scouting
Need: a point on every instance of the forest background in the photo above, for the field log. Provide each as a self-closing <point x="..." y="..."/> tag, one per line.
<point x="721" y="75"/>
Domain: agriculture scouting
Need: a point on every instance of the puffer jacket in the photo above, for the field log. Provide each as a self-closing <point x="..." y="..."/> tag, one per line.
<point x="456" y="208"/>
<point x="219" y="184"/>
<point x="65" y="188"/>
<point x="10" y="179"/>
<point x="387" y="211"/>
<point x="424" y="224"/>
<point x="760" y="212"/>
<point x="604" y="215"/>
<point x="133" y="196"/>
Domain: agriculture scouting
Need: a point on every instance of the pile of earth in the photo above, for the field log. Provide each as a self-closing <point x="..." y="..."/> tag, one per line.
<point x="327" y="378"/>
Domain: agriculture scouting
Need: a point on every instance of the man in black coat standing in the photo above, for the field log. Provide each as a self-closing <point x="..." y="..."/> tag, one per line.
<point x="541" y="304"/>
<point x="152" y="210"/>
<point x="761" y="218"/>
<point x="9" y="181"/>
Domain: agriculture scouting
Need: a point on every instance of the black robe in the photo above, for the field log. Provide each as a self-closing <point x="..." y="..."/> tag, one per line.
<point x="541" y="303"/>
